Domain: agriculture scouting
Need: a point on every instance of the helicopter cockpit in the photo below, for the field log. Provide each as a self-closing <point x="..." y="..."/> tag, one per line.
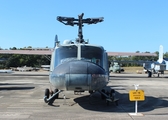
<point x="88" y="53"/>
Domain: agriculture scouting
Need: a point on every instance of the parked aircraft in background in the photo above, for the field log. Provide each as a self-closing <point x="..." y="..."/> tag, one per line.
<point x="24" y="68"/>
<point x="115" y="67"/>
<point x="151" y="67"/>
<point x="45" y="67"/>
<point x="156" y="67"/>
<point x="6" y="71"/>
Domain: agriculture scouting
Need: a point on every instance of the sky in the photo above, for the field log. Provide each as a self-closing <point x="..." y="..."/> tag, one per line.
<point x="128" y="26"/>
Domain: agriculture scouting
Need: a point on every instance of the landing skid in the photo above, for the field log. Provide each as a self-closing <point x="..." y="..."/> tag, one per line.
<point x="108" y="96"/>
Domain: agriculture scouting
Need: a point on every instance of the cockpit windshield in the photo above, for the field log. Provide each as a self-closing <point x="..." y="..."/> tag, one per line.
<point x="65" y="54"/>
<point x="93" y="54"/>
<point x="88" y="53"/>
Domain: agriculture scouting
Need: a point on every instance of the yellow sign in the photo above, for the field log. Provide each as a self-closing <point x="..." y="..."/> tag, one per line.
<point x="136" y="95"/>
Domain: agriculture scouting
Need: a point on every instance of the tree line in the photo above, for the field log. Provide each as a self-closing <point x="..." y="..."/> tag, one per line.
<point x="15" y="60"/>
<point x="18" y="60"/>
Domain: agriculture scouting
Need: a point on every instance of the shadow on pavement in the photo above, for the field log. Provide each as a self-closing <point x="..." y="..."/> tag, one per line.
<point x="95" y="103"/>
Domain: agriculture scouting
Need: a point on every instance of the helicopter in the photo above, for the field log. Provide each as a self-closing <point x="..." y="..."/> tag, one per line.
<point x="79" y="66"/>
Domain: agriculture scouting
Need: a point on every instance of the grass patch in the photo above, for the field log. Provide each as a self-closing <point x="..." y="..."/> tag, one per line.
<point x="133" y="69"/>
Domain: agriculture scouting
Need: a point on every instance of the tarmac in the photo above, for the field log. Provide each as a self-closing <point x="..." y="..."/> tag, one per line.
<point x="21" y="98"/>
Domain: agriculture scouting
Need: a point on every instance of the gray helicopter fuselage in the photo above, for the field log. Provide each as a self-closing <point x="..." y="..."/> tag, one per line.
<point x="79" y="67"/>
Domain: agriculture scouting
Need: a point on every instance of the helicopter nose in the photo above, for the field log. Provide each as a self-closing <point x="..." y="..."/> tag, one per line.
<point x="78" y="76"/>
<point x="79" y="67"/>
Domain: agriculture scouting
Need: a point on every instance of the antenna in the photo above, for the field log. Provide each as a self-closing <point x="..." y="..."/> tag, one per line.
<point x="56" y="42"/>
<point x="79" y="22"/>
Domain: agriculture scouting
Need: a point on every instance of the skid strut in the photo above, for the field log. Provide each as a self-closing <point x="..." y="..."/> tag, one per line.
<point x="52" y="97"/>
<point x="109" y="97"/>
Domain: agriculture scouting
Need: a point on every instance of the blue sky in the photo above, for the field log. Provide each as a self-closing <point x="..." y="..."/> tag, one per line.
<point x="129" y="25"/>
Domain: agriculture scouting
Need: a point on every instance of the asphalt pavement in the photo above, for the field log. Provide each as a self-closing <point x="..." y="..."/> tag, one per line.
<point x="21" y="98"/>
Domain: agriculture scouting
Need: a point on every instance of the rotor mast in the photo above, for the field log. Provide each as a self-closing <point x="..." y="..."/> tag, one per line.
<point x="79" y="22"/>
